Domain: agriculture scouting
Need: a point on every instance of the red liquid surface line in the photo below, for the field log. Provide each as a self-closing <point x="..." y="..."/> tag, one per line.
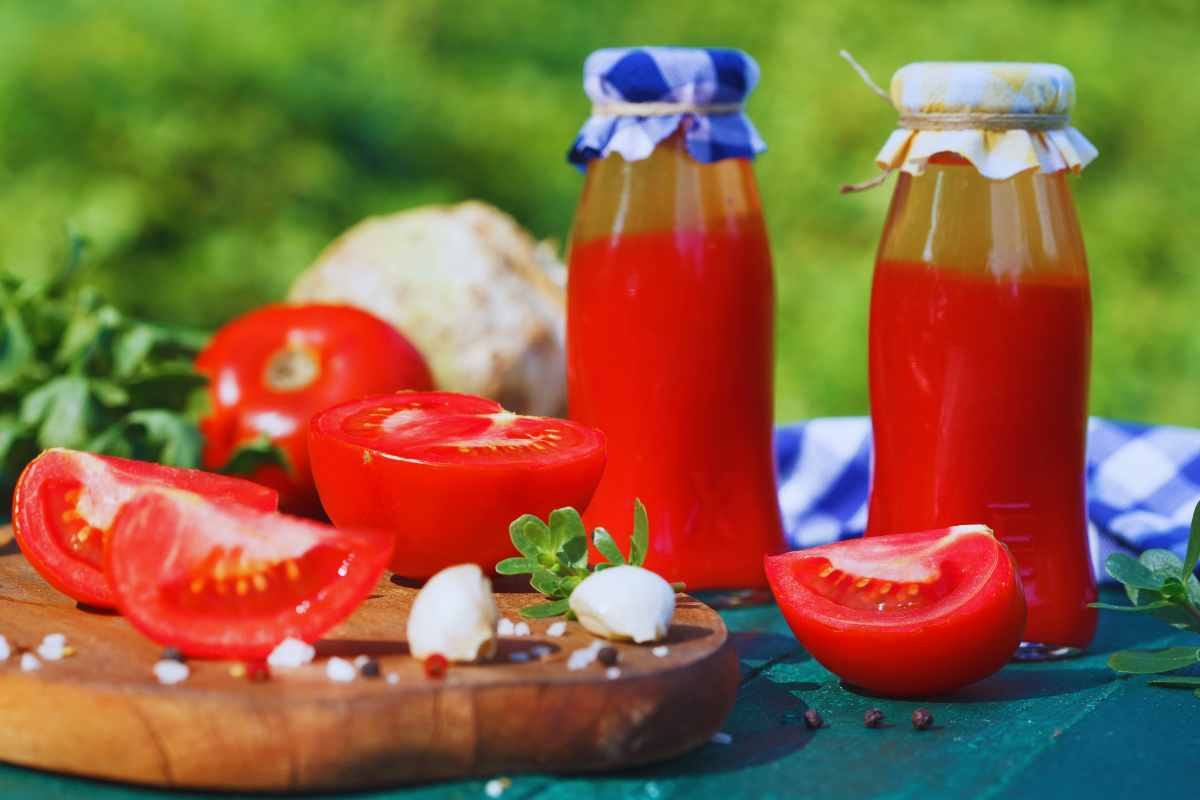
<point x="979" y="409"/>
<point x="670" y="354"/>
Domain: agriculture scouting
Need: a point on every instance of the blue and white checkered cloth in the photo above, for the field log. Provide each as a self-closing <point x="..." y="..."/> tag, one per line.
<point x="1142" y="481"/>
<point x="690" y="77"/>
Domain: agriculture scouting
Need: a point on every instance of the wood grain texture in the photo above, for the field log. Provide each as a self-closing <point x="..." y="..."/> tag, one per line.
<point x="101" y="713"/>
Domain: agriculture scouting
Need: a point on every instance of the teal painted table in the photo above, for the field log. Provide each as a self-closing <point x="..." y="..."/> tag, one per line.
<point x="1071" y="728"/>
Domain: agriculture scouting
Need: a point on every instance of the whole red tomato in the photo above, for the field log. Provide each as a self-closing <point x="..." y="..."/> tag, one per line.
<point x="272" y="369"/>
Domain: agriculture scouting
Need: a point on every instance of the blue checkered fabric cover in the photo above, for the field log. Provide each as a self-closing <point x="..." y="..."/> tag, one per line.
<point x="1143" y="482"/>
<point x="682" y="75"/>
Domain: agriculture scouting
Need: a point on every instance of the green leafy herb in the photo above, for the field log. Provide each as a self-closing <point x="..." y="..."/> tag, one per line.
<point x="555" y="555"/>
<point x="1160" y="584"/>
<point x="77" y="372"/>
<point x="251" y="455"/>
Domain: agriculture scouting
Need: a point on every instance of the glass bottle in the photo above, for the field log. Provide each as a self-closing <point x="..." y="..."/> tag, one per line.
<point x="980" y="341"/>
<point x="670" y="326"/>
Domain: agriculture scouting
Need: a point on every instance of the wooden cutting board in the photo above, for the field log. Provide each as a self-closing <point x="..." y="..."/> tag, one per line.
<point x="101" y="713"/>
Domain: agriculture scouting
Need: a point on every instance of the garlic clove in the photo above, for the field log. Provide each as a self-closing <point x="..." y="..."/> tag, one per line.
<point x="625" y="603"/>
<point x="455" y="615"/>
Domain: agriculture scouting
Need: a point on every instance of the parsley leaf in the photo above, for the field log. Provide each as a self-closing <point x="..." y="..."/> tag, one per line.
<point x="77" y="372"/>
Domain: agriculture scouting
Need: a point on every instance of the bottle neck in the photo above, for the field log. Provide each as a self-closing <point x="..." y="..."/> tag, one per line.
<point x="669" y="190"/>
<point x="953" y="217"/>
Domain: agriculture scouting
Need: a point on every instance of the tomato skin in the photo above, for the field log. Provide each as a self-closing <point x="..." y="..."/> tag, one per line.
<point x="956" y="641"/>
<point x="103" y="483"/>
<point x="223" y="581"/>
<point x="270" y="370"/>
<point x="447" y="513"/>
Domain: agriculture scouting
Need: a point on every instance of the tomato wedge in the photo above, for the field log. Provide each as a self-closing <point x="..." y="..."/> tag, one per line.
<point x="905" y="615"/>
<point x="446" y="473"/>
<point x="223" y="581"/>
<point x="64" y="504"/>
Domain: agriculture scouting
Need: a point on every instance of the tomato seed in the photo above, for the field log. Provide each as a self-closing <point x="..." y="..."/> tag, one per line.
<point x="608" y="656"/>
<point x="873" y="718"/>
<point x="812" y="719"/>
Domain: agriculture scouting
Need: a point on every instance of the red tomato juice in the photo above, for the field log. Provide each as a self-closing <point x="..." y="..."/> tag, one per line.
<point x="670" y="354"/>
<point x="979" y="398"/>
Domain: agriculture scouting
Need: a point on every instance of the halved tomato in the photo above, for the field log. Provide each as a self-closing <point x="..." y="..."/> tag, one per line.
<point x="223" y="581"/>
<point x="905" y="615"/>
<point x="446" y="473"/>
<point x="64" y="505"/>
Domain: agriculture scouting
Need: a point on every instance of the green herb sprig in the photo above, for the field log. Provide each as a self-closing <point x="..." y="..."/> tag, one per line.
<point x="77" y="372"/>
<point x="555" y="555"/>
<point x="1160" y="584"/>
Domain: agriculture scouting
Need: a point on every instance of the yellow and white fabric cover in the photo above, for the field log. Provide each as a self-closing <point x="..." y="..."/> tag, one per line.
<point x="1005" y="118"/>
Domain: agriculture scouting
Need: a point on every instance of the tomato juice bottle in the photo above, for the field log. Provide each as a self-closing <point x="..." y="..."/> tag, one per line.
<point x="980" y="331"/>
<point x="670" y="312"/>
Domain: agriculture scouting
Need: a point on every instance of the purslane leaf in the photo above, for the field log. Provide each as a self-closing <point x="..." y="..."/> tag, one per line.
<point x="516" y="566"/>
<point x="1131" y="572"/>
<point x="516" y="531"/>
<point x="640" y="541"/>
<point x="1178" y="682"/>
<point x="1162" y="563"/>
<point x="574" y="552"/>
<point x="545" y="582"/>
<point x="1149" y="662"/>
<point x="565" y="525"/>
<point x="543" y="610"/>
<point x="1193" y="549"/>
<point x="1144" y="608"/>
<point x="607" y="546"/>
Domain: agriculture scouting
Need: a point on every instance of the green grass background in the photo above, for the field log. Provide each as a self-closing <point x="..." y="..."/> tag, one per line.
<point x="210" y="149"/>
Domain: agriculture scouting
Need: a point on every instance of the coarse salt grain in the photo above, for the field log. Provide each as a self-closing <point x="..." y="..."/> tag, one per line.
<point x="291" y="652"/>
<point x="340" y="670"/>
<point x="29" y="662"/>
<point x="51" y="648"/>
<point x="5" y="650"/>
<point x="496" y="786"/>
<point x="661" y="651"/>
<point x="392" y="678"/>
<point x="612" y="673"/>
<point x="169" y="671"/>
<point x="359" y="661"/>
<point x="519" y="656"/>
<point x="505" y="627"/>
<point x="583" y="657"/>
<point x="721" y="737"/>
<point x="521" y="629"/>
<point x="557" y="629"/>
<point x="541" y="651"/>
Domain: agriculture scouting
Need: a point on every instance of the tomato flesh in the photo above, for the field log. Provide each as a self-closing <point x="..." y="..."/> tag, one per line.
<point x="65" y="501"/>
<point x="219" y="581"/>
<point x="271" y="370"/>
<point x="446" y="473"/>
<point x="905" y="615"/>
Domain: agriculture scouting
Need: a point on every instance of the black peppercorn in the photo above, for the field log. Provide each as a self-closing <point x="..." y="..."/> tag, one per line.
<point x="922" y="719"/>
<point x="171" y="654"/>
<point x="608" y="656"/>
<point x="370" y="668"/>
<point x="873" y="718"/>
<point x="812" y="719"/>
